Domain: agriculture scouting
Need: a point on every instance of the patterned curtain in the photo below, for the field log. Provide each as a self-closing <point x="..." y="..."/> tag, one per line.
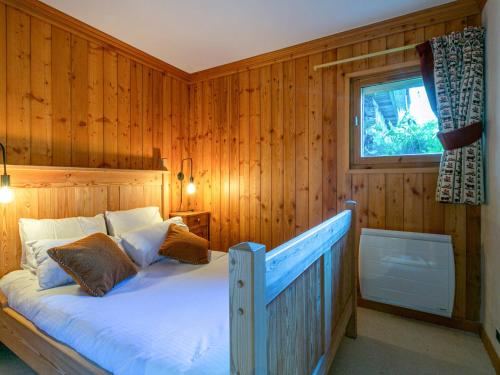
<point x="458" y="85"/>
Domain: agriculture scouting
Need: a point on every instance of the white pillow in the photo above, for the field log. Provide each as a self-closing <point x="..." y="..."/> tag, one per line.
<point x="124" y="221"/>
<point x="73" y="227"/>
<point x="49" y="273"/>
<point x="142" y="244"/>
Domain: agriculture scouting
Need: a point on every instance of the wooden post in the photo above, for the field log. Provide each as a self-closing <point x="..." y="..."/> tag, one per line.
<point x="352" y="326"/>
<point x="247" y="309"/>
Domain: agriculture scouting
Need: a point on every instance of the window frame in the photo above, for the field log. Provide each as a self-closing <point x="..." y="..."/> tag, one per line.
<point x="356" y="160"/>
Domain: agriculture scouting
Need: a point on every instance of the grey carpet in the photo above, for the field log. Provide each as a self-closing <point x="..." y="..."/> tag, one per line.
<point x="10" y="364"/>
<point x="391" y="345"/>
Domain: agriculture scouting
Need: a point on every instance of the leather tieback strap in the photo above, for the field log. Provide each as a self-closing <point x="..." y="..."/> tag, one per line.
<point x="461" y="137"/>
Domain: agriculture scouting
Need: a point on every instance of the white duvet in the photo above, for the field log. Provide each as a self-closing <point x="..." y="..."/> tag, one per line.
<point x="171" y="318"/>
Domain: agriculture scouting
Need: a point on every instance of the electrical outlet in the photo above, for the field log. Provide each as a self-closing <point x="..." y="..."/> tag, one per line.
<point x="498" y="336"/>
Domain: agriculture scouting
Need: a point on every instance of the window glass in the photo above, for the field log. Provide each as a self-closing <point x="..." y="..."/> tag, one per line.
<point x="396" y="119"/>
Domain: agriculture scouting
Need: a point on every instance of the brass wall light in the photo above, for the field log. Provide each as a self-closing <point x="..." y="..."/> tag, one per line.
<point x="6" y="194"/>
<point x="191" y="187"/>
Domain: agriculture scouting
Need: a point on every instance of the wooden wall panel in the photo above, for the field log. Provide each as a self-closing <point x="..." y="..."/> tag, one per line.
<point x="295" y="123"/>
<point x="69" y="100"/>
<point x="95" y="108"/>
<point x="79" y="102"/>
<point x="41" y="93"/>
<point x="18" y="87"/>
<point x="3" y="73"/>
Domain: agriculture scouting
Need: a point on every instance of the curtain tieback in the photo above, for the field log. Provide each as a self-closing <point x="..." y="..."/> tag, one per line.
<point x="461" y="137"/>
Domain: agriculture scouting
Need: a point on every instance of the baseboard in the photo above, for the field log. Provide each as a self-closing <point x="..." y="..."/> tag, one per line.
<point x="463" y="324"/>
<point x="490" y="349"/>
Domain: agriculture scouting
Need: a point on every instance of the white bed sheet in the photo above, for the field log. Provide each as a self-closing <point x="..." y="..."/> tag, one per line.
<point x="171" y="318"/>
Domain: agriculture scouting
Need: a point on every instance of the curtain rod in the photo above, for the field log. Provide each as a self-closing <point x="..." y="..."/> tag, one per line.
<point x="368" y="55"/>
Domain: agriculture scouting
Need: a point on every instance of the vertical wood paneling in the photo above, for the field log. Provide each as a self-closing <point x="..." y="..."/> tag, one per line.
<point x="244" y="174"/>
<point x="376" y="199"/>
<point x="196" y="143"/>
<point x="157" y="119"/>
<point x="3" y="74"/>
<point x="167" y="132"/>
<point x="147" y="118"/>
<point x="255" y="158"/>
<point x="79" y="102"/>
<point x="136" y="115"/>
<point x="234" y="162"/>
<point x="225" y="163"/>
<point x="123" y="104"/>
<point x="206" y="138"/>
<point x="277" y="165"/>
<point x="343" y="177"/>
<point x="394" y="201"/>
<point x="176" y="143"/>
<point x="455" y="225"/>
<point x="215" y="216"/>
<point x="61" y="97"/>
<point x="265" y="154"/>
<point x="393" y="41"/>
<point x="41" y="93"/>
<point x="433" y="212"/>
<point x="329" y="138"/>
<point x="359" y="193"/>
<point x="18" y="87"/>
<point x="413" y="202"/>
<point x="301" y="145"/>
<point x="289" y="134"/>
<point x="95" y="107"/>
<point x="110" y="111"/>
<point x="315" y="142"/>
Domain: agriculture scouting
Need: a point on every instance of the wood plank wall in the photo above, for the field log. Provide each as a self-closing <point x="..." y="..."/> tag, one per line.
<point x="269" y="146"/>
<point x="70" y="100"/>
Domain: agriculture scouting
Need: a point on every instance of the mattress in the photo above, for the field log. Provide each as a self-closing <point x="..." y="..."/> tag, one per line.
<point x="171" y="318"/>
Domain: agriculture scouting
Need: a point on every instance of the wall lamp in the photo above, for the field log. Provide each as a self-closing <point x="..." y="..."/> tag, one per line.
<point x="191" y="187"/>
<point x="6" y="194"/>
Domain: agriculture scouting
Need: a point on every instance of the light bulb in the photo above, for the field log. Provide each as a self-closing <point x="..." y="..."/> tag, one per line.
<point x="6" y="194"/>
<point x="191" y="188"/>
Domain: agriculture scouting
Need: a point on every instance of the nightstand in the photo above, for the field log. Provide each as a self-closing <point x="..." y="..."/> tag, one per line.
<point x="198" y="222"/>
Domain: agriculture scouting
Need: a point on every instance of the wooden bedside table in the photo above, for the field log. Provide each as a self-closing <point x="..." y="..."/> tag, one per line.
<point x="198" y="222"/>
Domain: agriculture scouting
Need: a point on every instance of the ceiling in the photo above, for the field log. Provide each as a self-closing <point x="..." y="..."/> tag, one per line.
<point x="198" y="34"/>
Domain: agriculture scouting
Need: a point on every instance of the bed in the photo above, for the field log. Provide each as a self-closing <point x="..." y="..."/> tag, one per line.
<point x="246" y="312"/>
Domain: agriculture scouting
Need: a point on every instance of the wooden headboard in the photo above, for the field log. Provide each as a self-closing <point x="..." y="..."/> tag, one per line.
<point x="58" y="192"/>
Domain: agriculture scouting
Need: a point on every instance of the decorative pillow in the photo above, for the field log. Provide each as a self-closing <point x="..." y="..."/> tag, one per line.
<point x="185" y="246"/>
<point x="124" y="221"/>
<point x="142" y="244"/>
<point x="49" y="273"/>
<point x="72" y="227"/>
<point x="95" y="262"/>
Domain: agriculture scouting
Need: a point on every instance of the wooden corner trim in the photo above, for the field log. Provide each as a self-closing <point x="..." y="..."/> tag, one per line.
<point x="490" y="349"/>
<point x="411" y="21"/>
<point x="481" y="4"/>
<point x="64" y="21"/>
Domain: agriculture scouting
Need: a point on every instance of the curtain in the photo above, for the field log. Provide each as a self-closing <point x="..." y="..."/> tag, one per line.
<point x="453" y="71"/>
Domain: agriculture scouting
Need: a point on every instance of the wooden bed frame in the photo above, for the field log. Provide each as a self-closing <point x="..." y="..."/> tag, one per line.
<point x="289" y="308"/>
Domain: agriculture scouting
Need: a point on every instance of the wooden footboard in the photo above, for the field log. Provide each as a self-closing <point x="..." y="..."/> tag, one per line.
<point x="290" y="307"/>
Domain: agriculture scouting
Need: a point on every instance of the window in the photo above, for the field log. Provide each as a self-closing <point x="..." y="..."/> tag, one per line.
<point x="392" y="121"/>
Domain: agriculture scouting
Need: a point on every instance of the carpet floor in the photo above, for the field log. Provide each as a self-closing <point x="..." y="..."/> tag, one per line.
<point x="392" y="345"/>
<point x="386" y="345"/>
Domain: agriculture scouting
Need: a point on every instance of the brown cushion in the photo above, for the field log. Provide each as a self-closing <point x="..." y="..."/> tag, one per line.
<point x="185" y="246"/>
<point x="95" y="262"/>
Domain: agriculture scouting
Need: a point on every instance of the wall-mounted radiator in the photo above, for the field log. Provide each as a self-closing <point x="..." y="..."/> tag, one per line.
<point x="412" y="270"/>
